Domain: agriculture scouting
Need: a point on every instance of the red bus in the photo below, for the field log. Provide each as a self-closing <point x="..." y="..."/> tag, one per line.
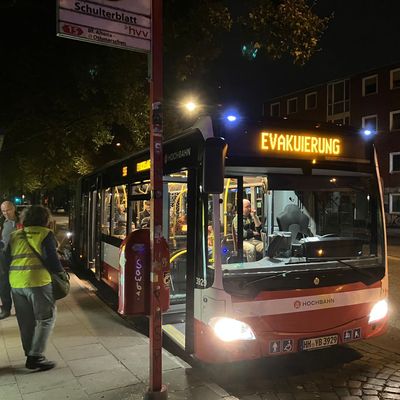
<point x="289" y="257"/>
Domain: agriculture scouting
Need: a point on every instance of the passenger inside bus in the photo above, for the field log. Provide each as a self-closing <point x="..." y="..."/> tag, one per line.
<point x="253" y="246"/>
<point x="120" y="220"/>
<point x="144" y="216"/>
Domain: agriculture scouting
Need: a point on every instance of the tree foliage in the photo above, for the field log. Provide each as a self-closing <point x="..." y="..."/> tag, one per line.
<point x="288" y="27"/>
<point x="65" y="104"/>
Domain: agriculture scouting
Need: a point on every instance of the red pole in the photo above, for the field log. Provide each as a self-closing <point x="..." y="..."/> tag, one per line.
<point x="156" y="389"/>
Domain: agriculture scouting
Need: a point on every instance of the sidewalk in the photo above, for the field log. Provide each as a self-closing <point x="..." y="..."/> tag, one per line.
<point x="98" y="357"/>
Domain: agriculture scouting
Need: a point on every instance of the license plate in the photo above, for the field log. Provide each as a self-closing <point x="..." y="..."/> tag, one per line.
<point x="318" y="342"/>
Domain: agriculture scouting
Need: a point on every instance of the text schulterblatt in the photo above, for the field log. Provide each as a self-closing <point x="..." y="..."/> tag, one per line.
<point x="118" y="16"/>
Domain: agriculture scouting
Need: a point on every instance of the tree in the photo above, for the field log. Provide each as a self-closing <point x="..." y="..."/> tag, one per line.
<point x="65" y="103"/>
<point x="287" y="27"/>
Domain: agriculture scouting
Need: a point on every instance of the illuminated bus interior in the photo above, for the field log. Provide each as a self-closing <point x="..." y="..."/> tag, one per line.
<point x="326" y="221"/>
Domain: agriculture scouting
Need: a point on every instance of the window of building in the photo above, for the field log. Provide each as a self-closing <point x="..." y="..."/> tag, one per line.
<point x="394" y="163"/>
<point x="370" y="122"/>
<point x="395" y="120"/>
<point x="340" y="121"/>
<point x="394" y="203"/>
<point x="311" y="101"/>
<point x="338" y="100"/>
<point x="395" y="78"/>
<point x="275" y="110"/>
<point x="370" y="85"/>
<point x="292" y="105"/>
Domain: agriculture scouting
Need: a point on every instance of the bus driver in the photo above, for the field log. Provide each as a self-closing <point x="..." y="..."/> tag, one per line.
<point x="252" y="244"/>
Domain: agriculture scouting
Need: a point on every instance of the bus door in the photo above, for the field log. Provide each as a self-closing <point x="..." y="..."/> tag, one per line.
<point x="176" y="229"/>
<point x="92" y="238"/>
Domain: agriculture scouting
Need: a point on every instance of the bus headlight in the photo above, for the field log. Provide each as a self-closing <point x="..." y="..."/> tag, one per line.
<point x="379" y="311"/>
<point x="229" y="329"/>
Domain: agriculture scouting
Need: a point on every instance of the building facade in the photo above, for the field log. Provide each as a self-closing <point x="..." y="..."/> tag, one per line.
<point x="369" y="100"/>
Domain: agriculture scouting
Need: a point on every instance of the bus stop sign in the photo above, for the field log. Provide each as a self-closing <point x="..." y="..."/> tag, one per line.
<point x="124" y="24"/>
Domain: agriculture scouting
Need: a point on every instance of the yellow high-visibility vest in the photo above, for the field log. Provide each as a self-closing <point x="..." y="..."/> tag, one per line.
<point x="26" y="269"/>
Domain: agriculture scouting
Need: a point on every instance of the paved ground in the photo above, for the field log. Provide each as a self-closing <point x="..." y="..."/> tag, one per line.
<point x="100" y="356"/>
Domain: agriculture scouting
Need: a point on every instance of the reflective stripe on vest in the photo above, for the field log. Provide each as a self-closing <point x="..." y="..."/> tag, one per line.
<point x="26" y="269"/>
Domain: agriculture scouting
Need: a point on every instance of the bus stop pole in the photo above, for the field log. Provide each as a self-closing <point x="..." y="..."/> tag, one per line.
<point x="156" y="389"/>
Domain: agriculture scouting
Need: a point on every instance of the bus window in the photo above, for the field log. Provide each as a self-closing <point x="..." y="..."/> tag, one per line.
<point x="140" y="209"/>
<point x="119" y="211"/>
<point x="177" y="201"/>
<point x="251" y="241"/>
<point x="106" y="211"/>
<point x="144" y="215"/>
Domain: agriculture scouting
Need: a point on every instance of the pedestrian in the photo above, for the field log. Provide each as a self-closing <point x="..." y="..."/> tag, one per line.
<point x="8" y="225"/>
<point x="31" y="255"/>
<point x="144" y="216"/>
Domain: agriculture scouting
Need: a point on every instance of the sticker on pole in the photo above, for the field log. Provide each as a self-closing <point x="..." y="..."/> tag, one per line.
<point x="167" y="279"/>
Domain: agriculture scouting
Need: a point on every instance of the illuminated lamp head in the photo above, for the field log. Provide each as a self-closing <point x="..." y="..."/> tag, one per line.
<point x="230" y="117"/>
<point x="368" y="132"/>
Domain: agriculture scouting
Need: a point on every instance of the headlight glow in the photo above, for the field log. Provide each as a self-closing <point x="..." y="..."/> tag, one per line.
<point x="379" y="311"/>
<point x="229" y="329"/>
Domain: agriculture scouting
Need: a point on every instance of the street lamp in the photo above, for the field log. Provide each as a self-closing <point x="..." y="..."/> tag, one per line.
<point x="190" y="106"/>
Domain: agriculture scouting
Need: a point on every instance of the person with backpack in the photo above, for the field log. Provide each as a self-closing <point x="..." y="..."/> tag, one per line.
<point x="32" y="256"/>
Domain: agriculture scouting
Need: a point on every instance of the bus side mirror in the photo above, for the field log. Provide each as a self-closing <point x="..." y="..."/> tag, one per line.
<point x="214" y="154"/>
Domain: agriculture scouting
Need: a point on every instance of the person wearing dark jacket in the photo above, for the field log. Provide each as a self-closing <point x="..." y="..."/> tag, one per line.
<point x="30" y="283"/>
<point x="9" y="223"/>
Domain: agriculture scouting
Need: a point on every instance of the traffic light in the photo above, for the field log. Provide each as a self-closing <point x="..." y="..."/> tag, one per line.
<point x="250" y="50"/>
<point x="17" y="200"/>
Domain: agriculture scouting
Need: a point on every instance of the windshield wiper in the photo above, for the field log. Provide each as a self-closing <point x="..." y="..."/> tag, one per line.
<point x="281" y="274"/>
<point x="369" y="278"/>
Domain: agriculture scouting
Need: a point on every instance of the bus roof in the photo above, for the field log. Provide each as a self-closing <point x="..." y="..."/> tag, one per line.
<point x="259" y="142"/>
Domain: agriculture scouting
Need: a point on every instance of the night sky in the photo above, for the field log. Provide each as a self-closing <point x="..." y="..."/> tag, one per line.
<point x="363" y="34"/>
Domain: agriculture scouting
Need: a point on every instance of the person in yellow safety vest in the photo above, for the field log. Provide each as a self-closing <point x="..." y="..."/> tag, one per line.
<point x="30" y="283"/>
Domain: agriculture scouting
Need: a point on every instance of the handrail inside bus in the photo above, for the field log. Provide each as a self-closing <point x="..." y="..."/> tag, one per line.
<point x="178" y="198"/>
<point x="177" y="254"/>
<point x="225" y="207"/>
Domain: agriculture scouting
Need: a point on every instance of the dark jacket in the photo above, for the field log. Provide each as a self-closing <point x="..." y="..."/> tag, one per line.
<point x="249" y="227"/>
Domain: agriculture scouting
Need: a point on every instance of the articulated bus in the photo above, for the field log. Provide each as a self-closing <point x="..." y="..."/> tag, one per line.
<point x="317" y="274"/>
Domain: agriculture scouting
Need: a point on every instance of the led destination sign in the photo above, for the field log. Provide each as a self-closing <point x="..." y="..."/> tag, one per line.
<point x="300" y="144"/>
<point x="143" y="166"/>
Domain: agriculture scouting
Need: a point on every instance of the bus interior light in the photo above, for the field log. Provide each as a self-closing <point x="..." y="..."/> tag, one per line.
<point x="379" y="311"/>
<point x="229" y="329"/>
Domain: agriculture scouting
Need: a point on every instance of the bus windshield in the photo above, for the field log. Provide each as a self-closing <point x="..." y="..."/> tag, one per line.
<point x="294" y="224"/>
